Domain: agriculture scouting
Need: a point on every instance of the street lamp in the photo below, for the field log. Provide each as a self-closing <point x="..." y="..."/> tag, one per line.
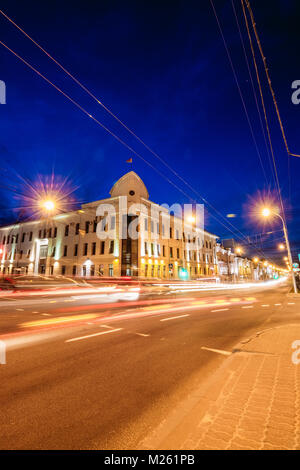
<point x="281" y="246"/>
<point x="238" y="250"/>
<point x="266" y="212"/>
<point x="47" y="205"/>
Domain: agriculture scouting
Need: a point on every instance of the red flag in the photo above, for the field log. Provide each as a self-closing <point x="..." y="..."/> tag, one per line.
<point x="129" y="160"/>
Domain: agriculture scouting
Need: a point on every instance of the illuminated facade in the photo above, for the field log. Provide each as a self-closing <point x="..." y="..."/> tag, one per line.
<point x="69" y="244"/>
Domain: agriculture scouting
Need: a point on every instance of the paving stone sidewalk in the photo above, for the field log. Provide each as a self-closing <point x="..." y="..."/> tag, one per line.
<point x="252" y="401"/>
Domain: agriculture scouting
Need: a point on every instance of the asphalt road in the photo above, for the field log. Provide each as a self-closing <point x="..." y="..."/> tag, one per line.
<point x="102" y="371"/>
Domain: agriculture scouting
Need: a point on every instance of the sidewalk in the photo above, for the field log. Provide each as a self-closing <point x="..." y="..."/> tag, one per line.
<point x="251" y="402"/>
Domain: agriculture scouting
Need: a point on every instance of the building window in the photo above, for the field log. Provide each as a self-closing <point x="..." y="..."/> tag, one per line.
<point x="163" y="229"/>
<point x="93" y="248"/>
<point x="171" y="232"/>
<point x="77" y="229"/>
<point x="146" y="248"/>
<point x="152" y="226"/>
<point x="112" y="222"/>
<point x="146" y="224"/>
<point x="4" y="238"/>
<point x="164" y="250"/>
<point x="158" y="249"/>
<point x="85" y="249"/>
<point x="53" y="251"/>
<point x="152" y="249"/>
<point x="55" y="232"/>
<point x="21" y="254"/>
<point x="40" y="234"/>
<point x="63" y="270"/>
<point x="111" y="246"/>
<point x="44" y="233"/>
<point x="178" y="253"/>
<point x="177" y="235"/>
<point x="17" y="238"/>
<point x="50" y="233"/>
<point x="66" y="230"/>
<point x="146" y="270"/>
<point x="171" y="252"/>
<point x="102" y="248"/>
<point x="84" y="270"/>
<point x="110" y="270"/>
<point x="28" y="253"/>
<point x="30" y="236"/>
<point x="87" y="226"/>
<point x="92" y="270"/>
<point x="65" y="250"/>
<point x="95" y="226"/>
<point x="23" y="237"/>
<point x="51" y="269"/>
<point x="76" y="249"/>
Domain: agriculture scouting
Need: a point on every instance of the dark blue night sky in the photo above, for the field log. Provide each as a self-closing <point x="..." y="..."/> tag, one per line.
<point x="162" y="68"/>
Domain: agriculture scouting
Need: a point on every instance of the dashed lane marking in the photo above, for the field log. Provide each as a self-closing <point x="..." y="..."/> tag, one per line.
<point x="175" y="318"/>
<point x="267" y="305"/>
<point x="79" y="338"/>
<point x="248" y="306"/>
<point x="220" y="310"/>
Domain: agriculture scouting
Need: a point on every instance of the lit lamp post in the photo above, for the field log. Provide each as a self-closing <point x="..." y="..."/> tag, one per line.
<point x="266" y="212"/>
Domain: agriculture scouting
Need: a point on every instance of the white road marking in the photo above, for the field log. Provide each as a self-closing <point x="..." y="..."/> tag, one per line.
<point x="142" y="334"/>
<point x="218" y="351"/>
<point x="91" y="336"/>
<point x="267" y="305"/>
<point x="20" y="309"/>
<point x="291" y="303"/>
<point x="46" y="314"/>
<point x="220" y="310"/>
<point x="107" y="326"/>
<point x="175" y="318"/>
<point x="276" y="305"/>
<point x="34" y="312"/>
<point x="248" y="306"/>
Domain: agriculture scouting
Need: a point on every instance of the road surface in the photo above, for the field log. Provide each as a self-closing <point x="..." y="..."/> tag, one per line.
<point x="102" y="370"/>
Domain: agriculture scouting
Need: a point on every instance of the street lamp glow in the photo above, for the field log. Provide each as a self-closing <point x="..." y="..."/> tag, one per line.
<point x="48" y="205"/>
<point x="191" y="219"/>
<point x="238" y="250"/>
<point x="256" y="260"/>
<point x="281" y="246"/>
<point x="266" y="212"/>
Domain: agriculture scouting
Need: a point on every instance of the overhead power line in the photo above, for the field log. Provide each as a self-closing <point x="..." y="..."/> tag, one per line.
<point x="253" y="89"/>
<point x="269" y="80"/>
<point x="239" y="89"/>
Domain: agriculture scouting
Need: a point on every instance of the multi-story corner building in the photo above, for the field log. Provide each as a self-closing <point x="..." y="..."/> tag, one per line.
<point x="92" y="241"/>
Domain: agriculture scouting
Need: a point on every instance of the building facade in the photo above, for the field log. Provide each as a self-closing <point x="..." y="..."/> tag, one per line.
<point x="93" y="241"/>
